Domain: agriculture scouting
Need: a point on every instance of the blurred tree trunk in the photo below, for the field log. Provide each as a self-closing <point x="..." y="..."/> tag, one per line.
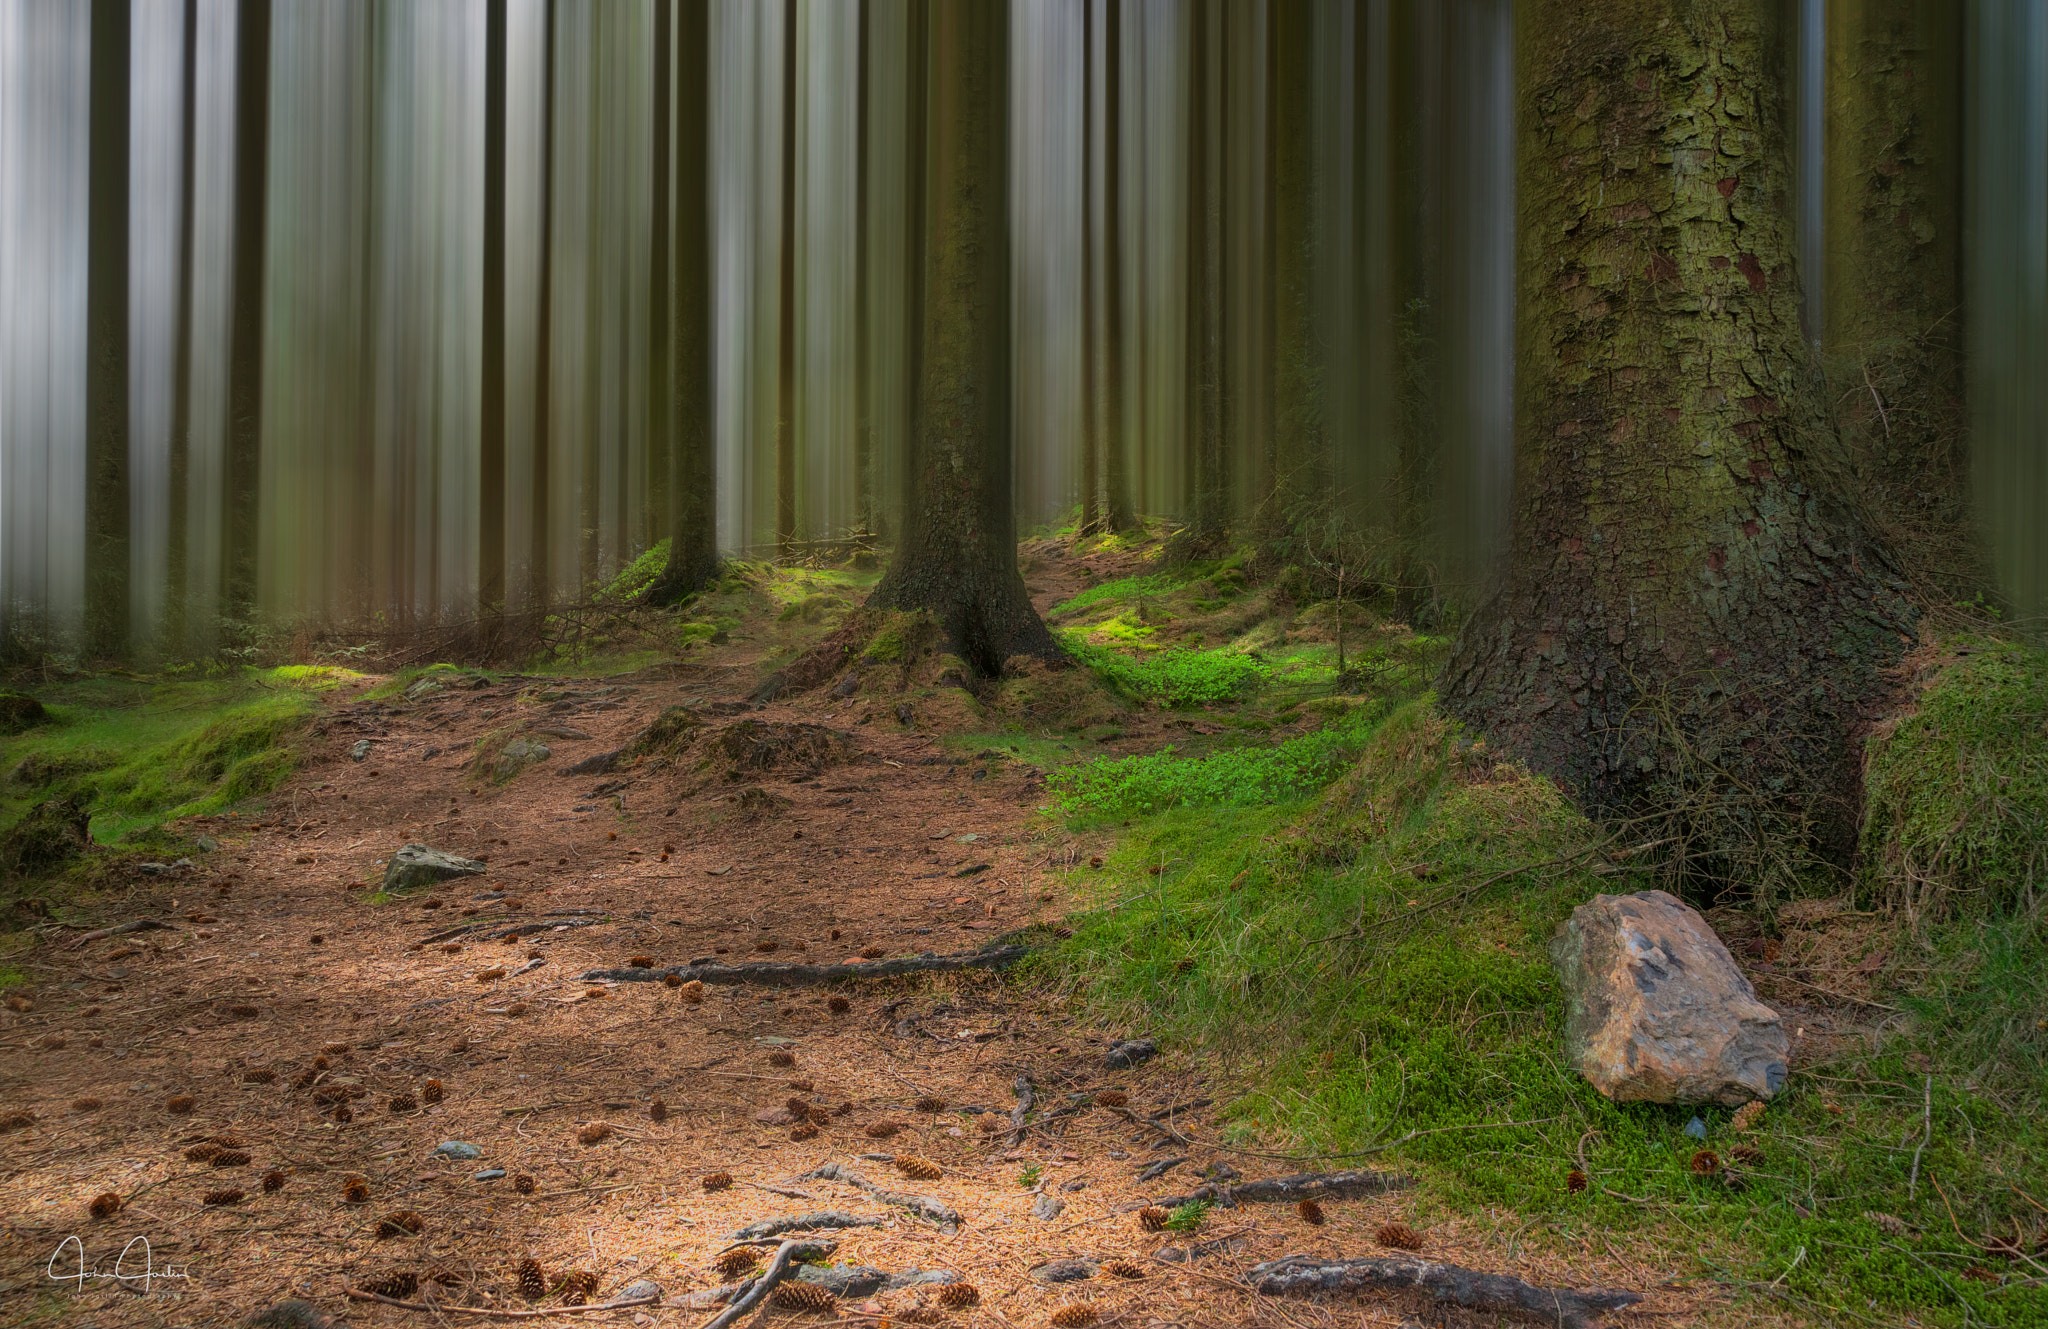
<point x="245" y="335"/>
<point x="179" y="463"/>
<point x="785" y="326"/>
<point x="863" y="356"/>
<point x="1891" y="322"/>
<point x="106" y="319"/>
<point x="540" y="557"/>
<point x="1689" y="621"/>
<point x="1117" y="511"/>
<point x="958" y="558"/>
<point x="1297" y="471"/>
<point x="491" y="423"/>
<point x="693" y="498"/>
<point x="1090" y="348"/>
<point x="654" y="524"/>
<point x="1208" y="456"/>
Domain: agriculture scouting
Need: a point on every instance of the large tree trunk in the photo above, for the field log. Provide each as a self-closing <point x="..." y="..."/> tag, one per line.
<point x="1090" y="437"/>
<point x="864" y="518"/>
<point x="245" y="336"/>
<point x="654" y="515"/>
<point x="540" y="553"/>
<point x="785" y="323"/>
<point x="177" y="619"/>
<point x="958" y="558"/>
<point x="1687" y="621"/>
<point x="1890" y="321"/>
<point x="693" y="528"/>
<point x="1298" y="471"/>
<point x="106" y="317"/>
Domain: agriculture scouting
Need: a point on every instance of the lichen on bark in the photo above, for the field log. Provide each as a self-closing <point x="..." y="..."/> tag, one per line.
<point x="1688" y="619"/>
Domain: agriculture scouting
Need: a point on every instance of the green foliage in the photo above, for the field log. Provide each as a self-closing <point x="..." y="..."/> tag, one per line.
<point x="1956" y="818"/>
<point x="1235" y="777"/>
<point x="1029" y="1176"/>
<point x="1179" y="678"/>
<point x="636" y="576"/>
<point x="1187" y="1217"/>
<point x="1226" y="573"/>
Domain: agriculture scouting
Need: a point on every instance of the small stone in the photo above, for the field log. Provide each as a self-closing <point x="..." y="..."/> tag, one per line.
<point x="489" y="1174"/>
<point x="636" y="1290"/>
<point x="1054" y="1272"/>
<point x="1696" y="1128"/>
<point x="461" y="1149"/>
<point x="359" y="750"/>
<point x="419" y="865"/>
<point x="1134" y="1052"/>
<point x="1047" y="1207"/>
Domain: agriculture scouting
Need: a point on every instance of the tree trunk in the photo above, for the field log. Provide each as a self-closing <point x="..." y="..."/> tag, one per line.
<point x="1891" y="324"/>
<point x="1090" y="439"/>
<point x="660" y="243"/>
<point x="863" y="357"/>
<point x="958" y="559"/>
<point x="106" y="317"/>
<point x="245" y="336"/>
<point x="1297" y="473"/>
<point x="785" y="325"/>
<point x="1687" y="622"/>
<point x="693" y="528"/>
<point x="491" y="422"/>
<point x="540" y="572"/>
<point x="1209" y="462"/>
<point x="1117" y="511"/>
<point x="179" y="468"/>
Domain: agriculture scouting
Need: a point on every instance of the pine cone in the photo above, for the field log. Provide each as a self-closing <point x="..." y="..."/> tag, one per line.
<point x="523" y="1183"/>
<point x="1112" y="1098"/>
<point x="930" y="1103"/>
<point x="1152" y="1218"/>
<point x="355" y="1191"/>
<point x="882" y="1130"/>
<point x="273" y="1180"/>
<point x="1747" y="1115"/>
<point x="1075" y="1315"/>
<point x="1311" y="1213"/>
<point x="229" y="1158"/>
<point x="1575" y="1181"/>
<point x="223" y="1197"/>
<point x="403" y="1103"/>
<point x="795" y="1296"/>
<point x="431" y="1092"/>
<point x="838" y="1005"/>
<point x="1705" y="1163"/>
<point x="106" y="1204"/>
<point x="657" y="1111"/>
<point x="1122" y="1269"/>
<point x="782" y="1058"/>
<point x="1398" y="1236"/>
<point x="404" y="1223"/>
<point x="398" y="1285"/>
<point x="595" y="1133"/>
<point x="959" y="1295"/>
<point x="737" y="1261"/>
<point x="718" y="1181"/>
<point x="533" y="1284"/>
<point x="803" y="1131"/>
<point x="918" y="1169"/>
<point x="201" y="1153"/>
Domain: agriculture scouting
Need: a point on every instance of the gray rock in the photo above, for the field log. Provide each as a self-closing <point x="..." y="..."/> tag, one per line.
<point x="920" y="1277"/>
<point x="462" y="1149"/>
<point x="1054" y="1272"/>
<point x="291" y="1315"/>
<point x="1047" y="1207"/>
<point x="517" y="755"/>
<point x="1077" y="1184"/>
<point x="490" y="1174"/>
<point x="1134" y="1052"/>
<point x="419" y="865"/>
<point x="844" y="1280"/>
<point x="1656" y="1009"/>
<point x="638" y="1289"/>
<point x="206" y="844"/>
<point x="359" y="749"/>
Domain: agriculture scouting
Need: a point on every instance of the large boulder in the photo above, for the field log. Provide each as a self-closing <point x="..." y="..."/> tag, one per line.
<point x="1656" y="1010"/>
<point x="419" y="865"/>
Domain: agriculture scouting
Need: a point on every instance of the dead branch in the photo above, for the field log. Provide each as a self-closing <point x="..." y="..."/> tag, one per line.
<point x="1296" y="1186"/>
<point x="924" y="1206"/>
<point x="802" y="975"/>
<point x="489" y="1313"/>
<point x="824" y="1218"/>
<point x="777" y="1270"/>
<point x="1492" y="1293"/>
<point x="136" y="925"/>
<point x="1026" y="1095"/>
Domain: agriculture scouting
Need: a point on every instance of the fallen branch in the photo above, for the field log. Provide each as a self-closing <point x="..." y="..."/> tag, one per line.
<point x="777" y="1270"/>
<point x="824" y="1218"/>
<point x="528" y="929"/>
<point x="489" y="1313"/>
<point x="1491" y="1293"/>
<point x="137" y="925"/>
<point x="1296" y="1186"/>
<point x="1026" y="1096"/>
<point x="924" y="1206"/>
<point x="804" y="975"/>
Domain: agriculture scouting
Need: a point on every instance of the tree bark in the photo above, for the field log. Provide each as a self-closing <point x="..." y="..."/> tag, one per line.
<point x="540" y="572"/>
<point x="693" y="523"/>
<point x="958" y="558"/>
<point x="179" y="469"/>
<point x="245" y="336"/>
<point x="1298" y="470"/>
<point x="863" y="358"/>
<point x="660" y="244"/>
<point x="1090" y="438"/>
<point x="1687" y="620"/>
<point x="1891" y="323"/>
<point x="106" y="313"/>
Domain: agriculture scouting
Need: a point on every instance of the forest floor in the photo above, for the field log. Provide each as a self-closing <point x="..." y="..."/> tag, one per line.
<point x="285" y="980"/>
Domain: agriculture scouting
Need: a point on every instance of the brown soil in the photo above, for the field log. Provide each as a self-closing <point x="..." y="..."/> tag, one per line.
<point x="277" y="951"/>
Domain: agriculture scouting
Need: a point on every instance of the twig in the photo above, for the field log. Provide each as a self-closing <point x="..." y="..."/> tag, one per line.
<point x="357" y="1294"/>
<point x="1926" y="1134"/>
<point x="777" y="1270"/>
<point x="1026" y="1096"/>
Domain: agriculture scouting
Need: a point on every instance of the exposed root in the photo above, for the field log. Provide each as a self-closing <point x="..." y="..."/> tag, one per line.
<point x="1490" y="1293"/>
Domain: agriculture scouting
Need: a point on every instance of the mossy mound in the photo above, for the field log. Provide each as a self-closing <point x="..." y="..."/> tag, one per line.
<point x="51" y="834"/>
<point x="20" y="712"/>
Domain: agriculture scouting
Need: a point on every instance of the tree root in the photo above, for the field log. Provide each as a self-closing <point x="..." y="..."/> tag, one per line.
<point x="1026" y="1096"/>
<point x="1492" y="1293"/>
<point x="1295" y="1186"/>
<point x="941" y="1215"/>
<point x="804" y="975"/>
<point x="516" y="930"/>
<point x="137" y="925"/>
<point x="492" y="1313"/>
<point x="778" y="1269"/>
<point x="824" y="1218"/>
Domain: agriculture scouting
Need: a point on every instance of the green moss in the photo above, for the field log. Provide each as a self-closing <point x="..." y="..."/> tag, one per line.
<point x="1956" y="817"/>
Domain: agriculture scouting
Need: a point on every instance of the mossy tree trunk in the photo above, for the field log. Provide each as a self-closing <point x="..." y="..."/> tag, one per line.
<point x="1686" y="618"/>
<point x="958" y="556"/>
<point x="1891" y="324"/>
<point x="693" y="518"/>
<point x="106" y="306"/>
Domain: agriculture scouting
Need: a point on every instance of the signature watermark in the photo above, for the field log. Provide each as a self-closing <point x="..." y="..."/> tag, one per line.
<point x="134" y="1269"/>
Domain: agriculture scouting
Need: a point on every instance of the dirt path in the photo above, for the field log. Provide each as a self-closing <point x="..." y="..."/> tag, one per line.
<point x="277" y="959"/>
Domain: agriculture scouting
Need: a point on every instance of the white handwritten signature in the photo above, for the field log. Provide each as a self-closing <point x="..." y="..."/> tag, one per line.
<point x="125" y="1271"/>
